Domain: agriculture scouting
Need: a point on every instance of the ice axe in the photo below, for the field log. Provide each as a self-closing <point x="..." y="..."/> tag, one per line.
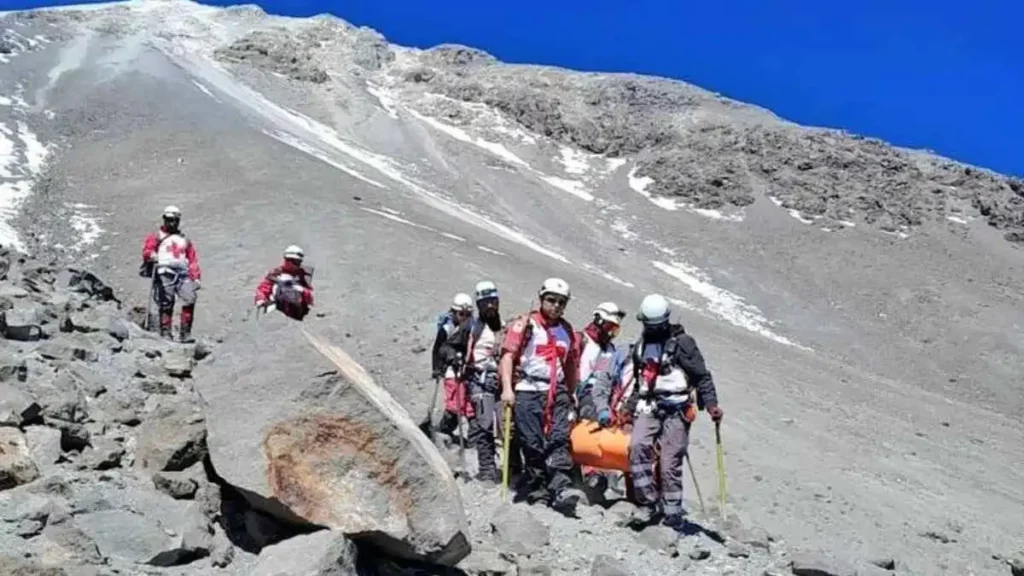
<point x="696" y="486"/>
<point x="506" y="446"/>
<point x="721" y="469"/>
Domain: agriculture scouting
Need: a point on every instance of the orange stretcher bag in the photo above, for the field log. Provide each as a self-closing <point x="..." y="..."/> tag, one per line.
<point x="603" y="448"/>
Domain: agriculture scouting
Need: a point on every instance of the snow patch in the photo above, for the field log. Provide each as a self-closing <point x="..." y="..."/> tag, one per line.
<point x="304" y="130"/>
<point x="384" y="97"/>
<point x="623" y="230"/>
<point x="608" y="276"/>
<point x="639" y="185"/>
<point x="87" y="226"/>
<point x="460" y="134"/>
<point x="722" y="303"/>
<point x="312" y="151"/>
<point x="491" y="251"/>
<point x="574" y="161"/>
<point x="22" y="157"/>
<point x="958" y="220"/>
<point x="393" y="215"/>
<point x="573" y="187"/>
<point x="205" y="90"/>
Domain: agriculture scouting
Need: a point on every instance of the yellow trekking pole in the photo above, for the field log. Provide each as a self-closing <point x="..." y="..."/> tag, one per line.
<point x="507" y="432"/>
<point x="721" y="468"/>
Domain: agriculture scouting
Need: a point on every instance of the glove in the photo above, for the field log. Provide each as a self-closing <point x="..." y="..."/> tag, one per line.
<point x="716" y="413"/>
<point x="196" y="284"/>
<point x="604" y="417"/>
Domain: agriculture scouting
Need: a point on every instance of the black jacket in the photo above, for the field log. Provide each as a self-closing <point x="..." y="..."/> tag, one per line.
<point x="684" y="353"/>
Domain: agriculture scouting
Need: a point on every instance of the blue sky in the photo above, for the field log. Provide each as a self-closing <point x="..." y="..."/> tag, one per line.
<point x="942" y="75"/>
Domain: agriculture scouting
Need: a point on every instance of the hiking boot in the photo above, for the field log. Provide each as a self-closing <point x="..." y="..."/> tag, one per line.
<point x="538" y="496"/>
<point x="644" y="516"/>
<point x="566" y="501"/>
<point x="675" y="521"/>
<point x="185" y="335"/>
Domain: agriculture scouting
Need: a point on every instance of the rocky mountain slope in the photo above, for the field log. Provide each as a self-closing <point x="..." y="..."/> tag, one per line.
<point x="858" y="304"/>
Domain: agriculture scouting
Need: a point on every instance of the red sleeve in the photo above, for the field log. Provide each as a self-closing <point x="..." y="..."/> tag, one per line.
<point x="265" y="287"/>
<point x="193" y="261"/>
<point x="149" y="247"/>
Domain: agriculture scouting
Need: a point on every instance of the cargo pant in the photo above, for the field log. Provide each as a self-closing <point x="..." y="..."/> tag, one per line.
<point x="486" y="424"/>
<point x="546" y="460"/>
<point x="168" y="287"/>
<point x="671" y="431"/>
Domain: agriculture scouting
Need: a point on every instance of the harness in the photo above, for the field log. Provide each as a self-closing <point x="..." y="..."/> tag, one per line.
<point x="549" y="353"/>
<point x="646" y="373"/>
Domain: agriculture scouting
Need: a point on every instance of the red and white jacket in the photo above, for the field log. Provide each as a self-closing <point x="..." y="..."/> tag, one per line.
<point x="266" y="287"/>
<point x="171" y="253"/>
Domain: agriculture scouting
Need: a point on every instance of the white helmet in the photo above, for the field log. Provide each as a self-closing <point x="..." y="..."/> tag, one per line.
<point x="609" y="312"/>
<point x="653" y="310"/>
<point x="462" y="302"/>
<point x="485" y="289"/>
<point x="555" y="286"/>
<point x="294" y="252"/>
<point x="172" y="212"/>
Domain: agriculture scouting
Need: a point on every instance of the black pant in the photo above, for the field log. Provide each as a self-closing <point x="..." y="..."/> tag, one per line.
<point x="546" y="460"/>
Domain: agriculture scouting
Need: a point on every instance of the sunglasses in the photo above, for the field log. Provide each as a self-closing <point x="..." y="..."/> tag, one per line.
<point x="556" y="300"/>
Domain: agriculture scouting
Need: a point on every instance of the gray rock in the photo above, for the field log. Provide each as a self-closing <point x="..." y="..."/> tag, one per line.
<point x="820" y="564"/>
<point x="22" y="323"/>
<point x="43" y="445"/>
<point x="102" y="454"/>
<point x="1017" y="564"/>
<point x="172" y="439"/>
<point x="177" y="485"/>
<point x="88" y="380"/>
<point x="531" y="567"/>
<point x="314" y="449"/>
<point x="105" y="319"/>
<point x="738" y="550"/>
<point x="126" y="520"/>
<point x="485" y="560"/>
<point x="17" y="407"/>
<point x="72" y="347"/>
<point x="16" y="465"/>
<point x="659" y="537"/>
<point x="12" y="368"/>
<point x="885" y="563"/>
<point x="222" y="551"/>
<point x="75" y="546"/>
<point x="61" y="399"/>
<point x="275" y="52"/>
<point x="179" y="361"/>
<point x="604" y="565"/>
<point x="700" y="554"/>
<point x="323" y="553"/>
<point x="22" y="567"/>
<point x="516" y="531"/>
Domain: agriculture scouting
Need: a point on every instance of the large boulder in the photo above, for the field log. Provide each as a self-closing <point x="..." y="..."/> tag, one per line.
<point x="308" y="446"/>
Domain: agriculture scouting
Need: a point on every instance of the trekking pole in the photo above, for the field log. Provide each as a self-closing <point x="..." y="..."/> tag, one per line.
<point x="506" y="446"/>
<point x="721" y="468"/>
<point x="149" y="303"/>
<point x="696" y="486"/>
